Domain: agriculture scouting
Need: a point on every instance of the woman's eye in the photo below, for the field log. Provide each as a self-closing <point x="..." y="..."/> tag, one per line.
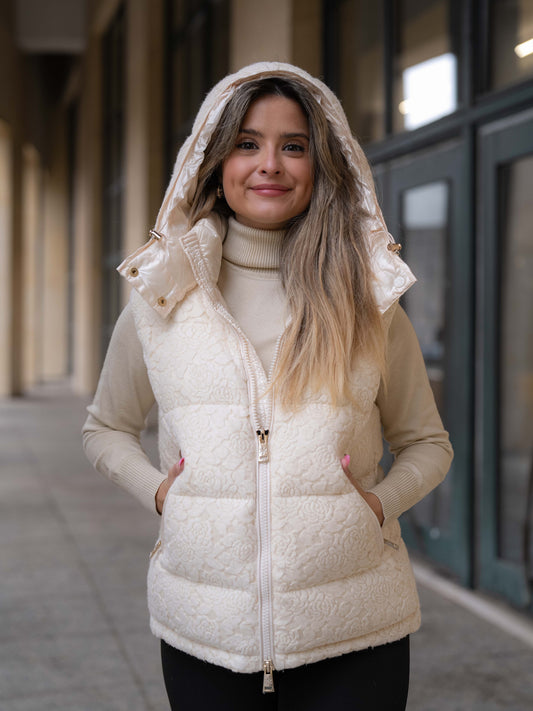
<point x="294" y="147"/>
<point x="246" y="145"/>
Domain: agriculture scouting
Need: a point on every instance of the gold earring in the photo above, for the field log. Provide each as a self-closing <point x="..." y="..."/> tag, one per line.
<point x="220" y="192"/>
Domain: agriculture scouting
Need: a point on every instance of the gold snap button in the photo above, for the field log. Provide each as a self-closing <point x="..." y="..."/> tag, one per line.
<point x="162" y="301"/>
<point x="394" y="247"/>
<point x="134" y="271"/>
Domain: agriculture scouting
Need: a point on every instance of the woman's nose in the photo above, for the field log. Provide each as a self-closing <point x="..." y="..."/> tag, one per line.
<point x="270" y="163"/>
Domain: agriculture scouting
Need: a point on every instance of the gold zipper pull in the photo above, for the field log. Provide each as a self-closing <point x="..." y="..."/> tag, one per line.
<point x="263" y="445"/>
<point x="268" y="677"/>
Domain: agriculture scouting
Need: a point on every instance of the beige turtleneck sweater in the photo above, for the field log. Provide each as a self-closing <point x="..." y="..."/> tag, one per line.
<point x="250" y="285"/>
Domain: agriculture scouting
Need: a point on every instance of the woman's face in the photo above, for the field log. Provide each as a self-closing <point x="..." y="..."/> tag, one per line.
<point x="268" y="177"/>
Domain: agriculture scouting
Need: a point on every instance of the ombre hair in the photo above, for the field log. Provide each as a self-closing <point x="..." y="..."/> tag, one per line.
<point x="325" y="265"/>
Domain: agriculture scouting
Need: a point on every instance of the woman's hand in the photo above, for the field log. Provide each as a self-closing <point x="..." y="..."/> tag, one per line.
<point x="173" y="474"/>
<point x="371" y="499"/>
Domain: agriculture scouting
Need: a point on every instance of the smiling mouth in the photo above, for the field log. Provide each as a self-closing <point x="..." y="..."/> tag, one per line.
<point x="270" y="189"/>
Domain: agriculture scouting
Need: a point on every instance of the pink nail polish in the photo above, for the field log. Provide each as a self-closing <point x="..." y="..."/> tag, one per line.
<point x="181" y="461"/>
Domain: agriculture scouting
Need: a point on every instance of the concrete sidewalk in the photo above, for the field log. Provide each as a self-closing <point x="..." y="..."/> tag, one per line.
<point x="74" y="552"/>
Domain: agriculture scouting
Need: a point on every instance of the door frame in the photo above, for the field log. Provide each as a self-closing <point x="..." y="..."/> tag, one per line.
<point x="449" y="162"/>
<point x="499" y="143"/>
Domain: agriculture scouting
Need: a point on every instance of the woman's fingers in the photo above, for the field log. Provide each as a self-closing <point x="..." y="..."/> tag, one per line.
<point x="173" y="473"/>
<point x="176" y="469"/>
<point x="345" y="463"/>
<point x="371" y="499"/>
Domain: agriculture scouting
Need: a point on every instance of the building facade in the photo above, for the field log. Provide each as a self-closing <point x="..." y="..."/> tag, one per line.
<point x="95" y="99"/>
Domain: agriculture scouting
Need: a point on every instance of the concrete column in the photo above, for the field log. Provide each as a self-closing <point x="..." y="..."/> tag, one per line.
<point x="155" y="127"/>
<point x="87" y="225"/>
<point x="54" y="349"/>
<point x="136" y="126"/>
<point x="144" y="121"/>
<point x="260" y="31"/>
<point x="307" y="31"/>
<point x="29" y="290"/>
<point x="10" y="112"/>
<point x="17" y="271"/>
<point x="281" y="30"/>
<point x="6" y="257"/>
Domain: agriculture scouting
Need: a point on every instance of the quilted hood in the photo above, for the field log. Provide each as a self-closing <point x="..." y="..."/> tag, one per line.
<point x="161" y="270"/>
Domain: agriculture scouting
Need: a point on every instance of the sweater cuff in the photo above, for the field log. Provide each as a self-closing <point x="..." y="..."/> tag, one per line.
<point x="398" y="491"/>
<point x="142" y="479"/>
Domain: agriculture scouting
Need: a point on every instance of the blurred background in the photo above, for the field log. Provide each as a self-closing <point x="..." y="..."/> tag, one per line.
<point x="96" y="97"/>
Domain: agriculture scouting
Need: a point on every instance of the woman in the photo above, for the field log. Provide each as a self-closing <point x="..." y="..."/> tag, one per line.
<point x="279" y="546"/>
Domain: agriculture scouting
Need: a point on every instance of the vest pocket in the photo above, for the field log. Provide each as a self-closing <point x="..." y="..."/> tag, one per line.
<point x="376" y="530"/>
<point x="159" y="543"/>
<point x="374" y="523"/>
<point x="321" y="539"/>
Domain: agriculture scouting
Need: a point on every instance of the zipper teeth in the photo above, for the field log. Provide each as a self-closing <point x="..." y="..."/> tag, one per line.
<point x="265" y="579"/>
<point x="263" y="509"/>
<point x="276" y="356"/>
<point x="253" y="389"/>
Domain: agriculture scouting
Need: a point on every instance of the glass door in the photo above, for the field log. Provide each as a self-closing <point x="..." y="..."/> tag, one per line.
<point x="506" y="344"/>
<point x="426" y="209"/>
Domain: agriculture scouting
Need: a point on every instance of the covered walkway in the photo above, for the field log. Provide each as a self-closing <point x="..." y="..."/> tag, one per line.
<point x="74" y="551"/>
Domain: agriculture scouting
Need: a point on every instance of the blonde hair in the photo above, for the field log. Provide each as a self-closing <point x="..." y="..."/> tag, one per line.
<point x="325" y="266"/>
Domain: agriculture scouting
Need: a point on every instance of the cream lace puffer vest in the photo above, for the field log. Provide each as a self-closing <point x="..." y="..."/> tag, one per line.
<point x="267" y="556"/>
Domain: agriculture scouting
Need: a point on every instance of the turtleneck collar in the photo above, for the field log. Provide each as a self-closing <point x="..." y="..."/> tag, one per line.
<point x="252" y="248"/>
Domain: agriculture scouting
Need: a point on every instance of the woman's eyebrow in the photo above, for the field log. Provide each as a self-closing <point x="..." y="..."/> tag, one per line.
<point x="295" y="135"/>
<point x="253" y="132"/>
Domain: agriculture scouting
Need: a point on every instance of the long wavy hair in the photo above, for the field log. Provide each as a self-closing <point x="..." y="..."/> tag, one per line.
<point x="325" y="267"/>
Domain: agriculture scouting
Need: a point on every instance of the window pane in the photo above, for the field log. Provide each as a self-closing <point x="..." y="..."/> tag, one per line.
<point x="516" y="358"/>
<point x="360" y="66"/>
<point x="511" y="41"/>
<point x="425" y="68"/>
<point x="424" y="229"/>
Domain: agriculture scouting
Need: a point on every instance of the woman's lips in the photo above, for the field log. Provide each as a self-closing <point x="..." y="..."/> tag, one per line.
<point x="270" y="189"/>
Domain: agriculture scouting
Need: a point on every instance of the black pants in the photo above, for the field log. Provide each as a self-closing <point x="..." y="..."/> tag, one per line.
<point x="371" y="680"/>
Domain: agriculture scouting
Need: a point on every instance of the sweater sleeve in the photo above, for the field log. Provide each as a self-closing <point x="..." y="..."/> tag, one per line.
<point x="123" y="399"/>
<point x="411" y="424"/>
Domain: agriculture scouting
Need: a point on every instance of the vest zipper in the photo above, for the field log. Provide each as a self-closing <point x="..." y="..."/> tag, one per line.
<point x="264" y="568"/>
<point x="259" y="415"/>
